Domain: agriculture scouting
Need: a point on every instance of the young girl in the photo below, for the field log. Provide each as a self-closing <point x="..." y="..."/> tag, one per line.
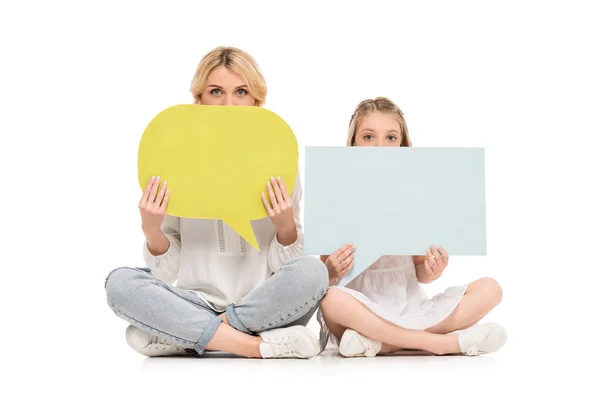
<point x="229" y="296"/>
<point x="384" y="309"/>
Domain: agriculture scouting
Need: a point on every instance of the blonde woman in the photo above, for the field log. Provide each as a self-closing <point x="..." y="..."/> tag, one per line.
<point x="384" y="309"/>
<point x="228" y="296"/>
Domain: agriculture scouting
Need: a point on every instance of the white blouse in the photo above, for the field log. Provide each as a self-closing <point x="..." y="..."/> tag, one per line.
<point x="209" y="258"/>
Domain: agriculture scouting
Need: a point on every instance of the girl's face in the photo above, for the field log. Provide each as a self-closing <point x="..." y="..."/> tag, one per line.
<point x="226" y="88"/>
<point x="378" y="129"/>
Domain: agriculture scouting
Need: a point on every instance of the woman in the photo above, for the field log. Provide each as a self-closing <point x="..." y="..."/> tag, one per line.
<point x="383" y="310"/>
<point x="229" y="296"/>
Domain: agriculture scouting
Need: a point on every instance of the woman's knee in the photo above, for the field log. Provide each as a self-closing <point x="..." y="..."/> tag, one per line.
<point x="122" y="282"/>
<point x="312" y="274"/>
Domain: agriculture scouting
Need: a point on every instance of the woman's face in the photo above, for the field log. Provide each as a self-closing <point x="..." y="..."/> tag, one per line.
<point x="226" y="88"/>
<point x="378" y="129"/>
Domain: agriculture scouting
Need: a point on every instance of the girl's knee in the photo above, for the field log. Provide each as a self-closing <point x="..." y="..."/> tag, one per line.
<point x="490" y="290"/>
<point x="332" y="302"/>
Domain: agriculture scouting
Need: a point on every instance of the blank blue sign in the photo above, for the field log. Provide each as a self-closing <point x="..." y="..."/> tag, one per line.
<point x="394" y="201"/>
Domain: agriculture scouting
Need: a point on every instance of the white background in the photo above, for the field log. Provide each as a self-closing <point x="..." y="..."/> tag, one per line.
<point x="80" y="81"/>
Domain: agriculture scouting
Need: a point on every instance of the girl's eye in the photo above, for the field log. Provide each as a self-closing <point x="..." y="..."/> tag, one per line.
<point x="368" y="137"/>
<point x="215" y="92"/>
<point x="392" y="138"/>
<point x="242" y="92"/>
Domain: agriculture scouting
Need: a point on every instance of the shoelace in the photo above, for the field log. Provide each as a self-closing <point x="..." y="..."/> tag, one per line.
<point x="283" y="345"/>
<point x="283" y="349"/>
<point x="158" y="340"/>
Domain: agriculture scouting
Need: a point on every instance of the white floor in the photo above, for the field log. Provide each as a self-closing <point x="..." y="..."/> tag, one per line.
<point x="108" y="368"/>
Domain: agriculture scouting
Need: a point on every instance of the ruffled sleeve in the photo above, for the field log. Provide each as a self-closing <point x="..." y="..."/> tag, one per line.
<point x="280" y="254"/>
<point x="166" y="266"/>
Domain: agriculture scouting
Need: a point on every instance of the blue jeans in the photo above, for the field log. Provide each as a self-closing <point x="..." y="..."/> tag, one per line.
<point x="289" y="297"/>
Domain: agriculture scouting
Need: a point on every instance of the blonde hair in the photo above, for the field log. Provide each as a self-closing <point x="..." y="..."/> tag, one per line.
<point x="235" y="60"/>
<point x="381" y="104"/>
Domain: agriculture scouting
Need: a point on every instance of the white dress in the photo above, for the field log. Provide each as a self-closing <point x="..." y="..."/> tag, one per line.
<point x="390" y="289"/>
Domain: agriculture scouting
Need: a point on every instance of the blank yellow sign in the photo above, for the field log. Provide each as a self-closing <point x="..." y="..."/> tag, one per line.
<point x="217" y="160"/>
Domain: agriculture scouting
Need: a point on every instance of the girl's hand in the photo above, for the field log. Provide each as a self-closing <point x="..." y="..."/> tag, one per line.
<point x="152" y="206"/>
<point x="435" y="262"/>
<point x="339" y="263"/>
<point x="280" y="209"/>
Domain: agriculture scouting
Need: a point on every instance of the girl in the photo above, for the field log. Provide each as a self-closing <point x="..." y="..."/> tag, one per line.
<point x="384" y="309"/>
<point x="229" y="296"/>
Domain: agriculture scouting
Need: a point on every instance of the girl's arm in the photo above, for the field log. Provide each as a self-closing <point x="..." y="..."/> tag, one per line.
<point x="428" y="268"/>
<point x="332" y="276"/>
<point x="339" y="263"/>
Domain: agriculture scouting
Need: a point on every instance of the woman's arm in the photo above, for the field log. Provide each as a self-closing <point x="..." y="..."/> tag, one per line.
<point x="288" y="244"/>
<point x="162" y="250"/>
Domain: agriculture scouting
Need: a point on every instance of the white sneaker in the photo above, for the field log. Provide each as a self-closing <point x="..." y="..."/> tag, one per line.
<point x="353" y="344"/>
<point x="293" y="342"/>
<point x="481" y="339"/>
<point x="152" y="345"/>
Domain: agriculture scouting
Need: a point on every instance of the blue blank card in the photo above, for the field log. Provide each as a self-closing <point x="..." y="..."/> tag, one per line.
<point x="394" y="201"/>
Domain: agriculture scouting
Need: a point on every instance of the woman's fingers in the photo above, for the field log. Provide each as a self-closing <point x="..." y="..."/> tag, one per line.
<point x="153" y="190"/>
<point x="274" y="204"/>
<point x="165" y="200"/>
<point x="284" y="192"/>
<point x="146" y="194"/>
<point x="277" y="190"/>
<point x="160" y="196"/>
<point x="266" y="204"/>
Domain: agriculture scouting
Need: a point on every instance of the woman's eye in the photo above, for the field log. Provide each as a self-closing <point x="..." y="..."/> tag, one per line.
<point x="241" y="92"/>
<point x="392" y="138"/>
<point x="368" y="137"/>
<point x="216" y="92"/>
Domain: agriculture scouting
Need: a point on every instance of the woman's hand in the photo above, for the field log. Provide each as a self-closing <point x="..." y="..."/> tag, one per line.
<point x="152" y="206"/>
<point x="434" y="264"/>
<point x="280" y="209"/>
<point x="340" y="262"/>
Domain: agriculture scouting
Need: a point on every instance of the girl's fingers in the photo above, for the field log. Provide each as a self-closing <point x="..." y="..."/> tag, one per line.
<point x="445" y="255"/>
<point x="345" y="270"/>
<point x="428" y="268"/>
<point x="346" y="253"/>
<point x="335" y="255"/>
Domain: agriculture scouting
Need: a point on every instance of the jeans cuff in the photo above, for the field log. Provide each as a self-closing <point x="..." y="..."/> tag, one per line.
<point x="234" y="321"/>
<point x="207" y="335"/>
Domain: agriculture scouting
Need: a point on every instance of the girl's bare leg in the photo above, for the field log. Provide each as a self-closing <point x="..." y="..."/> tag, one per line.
<point x="342" y="311"/>
<point x="480" y="298"/>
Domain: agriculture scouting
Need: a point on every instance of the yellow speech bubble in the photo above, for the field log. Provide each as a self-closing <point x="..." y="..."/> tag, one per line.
<point x="217" y="161"/>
